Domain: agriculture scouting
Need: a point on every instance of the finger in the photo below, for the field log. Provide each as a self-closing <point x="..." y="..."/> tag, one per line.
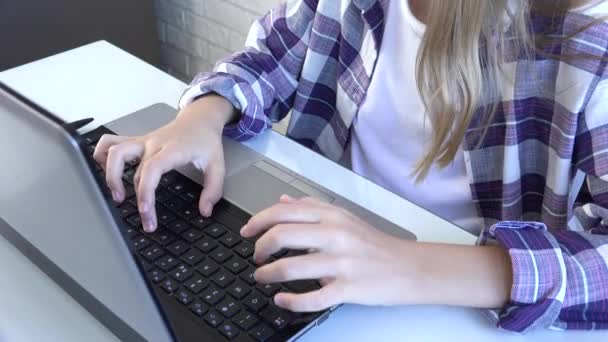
<point x="105" y="142"/>
<point x="148" y="153"/>
<point x="213" y="186"/>
<point x="281" y="213"/>
<point x="150" y="172"/>
<point x="318" y="300"/>
<point x="308" y="266"/>
<point x="116" y="157"/>
<point x="299" y="236"/>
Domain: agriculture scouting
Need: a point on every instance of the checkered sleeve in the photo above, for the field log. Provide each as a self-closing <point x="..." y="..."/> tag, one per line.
<point x="560" y="278"/>
<point x="261" y="80"/>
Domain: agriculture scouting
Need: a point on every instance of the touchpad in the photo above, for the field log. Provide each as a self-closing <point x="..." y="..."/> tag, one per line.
<point x="253" y="189"/>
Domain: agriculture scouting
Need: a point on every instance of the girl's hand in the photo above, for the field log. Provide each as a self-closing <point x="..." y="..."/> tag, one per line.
<point x="195" y="136"/>
<point x="355" y="262"/>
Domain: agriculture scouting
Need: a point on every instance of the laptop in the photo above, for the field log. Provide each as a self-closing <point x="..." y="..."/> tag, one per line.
<point x="192" y="279"/>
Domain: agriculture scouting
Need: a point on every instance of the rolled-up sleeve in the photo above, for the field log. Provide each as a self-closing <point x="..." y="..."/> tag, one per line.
<point x="560" y="279"/>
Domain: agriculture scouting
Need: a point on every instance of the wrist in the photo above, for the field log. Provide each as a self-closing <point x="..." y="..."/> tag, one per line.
<point x="474" y="276"/>
<point x="212" y="111"/>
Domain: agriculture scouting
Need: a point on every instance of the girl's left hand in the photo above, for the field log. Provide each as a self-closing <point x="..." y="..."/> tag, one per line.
<point x="355" y="262"/>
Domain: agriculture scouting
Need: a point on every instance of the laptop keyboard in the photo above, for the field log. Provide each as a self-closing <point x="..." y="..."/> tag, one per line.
<point x="201" y="262"/>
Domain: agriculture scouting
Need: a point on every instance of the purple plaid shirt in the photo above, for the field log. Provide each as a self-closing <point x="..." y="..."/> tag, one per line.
<point x="544" y="159"/>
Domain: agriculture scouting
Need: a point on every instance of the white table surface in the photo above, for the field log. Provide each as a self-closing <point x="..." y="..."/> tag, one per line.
<point x="101" y="81"/>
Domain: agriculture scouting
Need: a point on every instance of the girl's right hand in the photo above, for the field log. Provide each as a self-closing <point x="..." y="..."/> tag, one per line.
<point x="195" y="136"/>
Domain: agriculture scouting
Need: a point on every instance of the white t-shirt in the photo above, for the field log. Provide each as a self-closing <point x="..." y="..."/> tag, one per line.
<point x="389" y="134"/>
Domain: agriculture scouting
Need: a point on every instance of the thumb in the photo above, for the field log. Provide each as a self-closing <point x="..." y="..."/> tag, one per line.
<point x="213" y="186"/>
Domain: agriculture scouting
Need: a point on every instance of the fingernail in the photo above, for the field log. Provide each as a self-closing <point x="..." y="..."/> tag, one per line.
<point x="115" y="196"/>
<point x="207" y="209"/>
<point x="243" y="229"/>
<point x="148" y="225"/>
<point x="278" y="299"/>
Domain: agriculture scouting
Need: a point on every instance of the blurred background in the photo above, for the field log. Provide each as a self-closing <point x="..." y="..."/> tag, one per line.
<point x="181" y="37"/>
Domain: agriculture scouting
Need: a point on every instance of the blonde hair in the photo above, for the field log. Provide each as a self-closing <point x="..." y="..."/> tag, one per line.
<point x="459" y="64"/>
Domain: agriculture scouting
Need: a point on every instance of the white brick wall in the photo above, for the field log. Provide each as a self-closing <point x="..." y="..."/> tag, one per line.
<point x="194" y="34"/>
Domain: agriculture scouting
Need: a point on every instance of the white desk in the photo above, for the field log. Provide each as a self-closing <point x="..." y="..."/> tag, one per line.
<point x="104" y="82"/>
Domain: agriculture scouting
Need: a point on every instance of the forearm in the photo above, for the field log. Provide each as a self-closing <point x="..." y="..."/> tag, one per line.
<point x="474" y="276"/>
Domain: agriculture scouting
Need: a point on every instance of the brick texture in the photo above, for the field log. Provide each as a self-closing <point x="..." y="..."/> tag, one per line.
<point x="194" y="34"/>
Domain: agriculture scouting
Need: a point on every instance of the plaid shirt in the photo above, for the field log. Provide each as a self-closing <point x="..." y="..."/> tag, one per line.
<point x="548" y="140"/>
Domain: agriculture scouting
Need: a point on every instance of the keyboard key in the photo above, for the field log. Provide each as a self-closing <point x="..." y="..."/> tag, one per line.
<point x="198" y="307"/>
<point x="192" y="257"/>
<point x="245" y="320"/>
<point x="128" y="175"/>
<point x="216" y="230"/>
<point x="164" y="216"/>
<point x="228" y="307"/>
<point x="178" y="226"/>
<point x="167" y="179"/>
<point x="163" y="195"/>
<point x="221" y="254"/>
<point x="152" y="253"/>
<point x="277" y="317"/>
<point x="229" y="330"/>
<point x="188" y="212"/>
<point x="222" y="278"/>
<point x="192" y="235"/>
<point x="212" y="295"/>
<point x="255" y="301"/>
<point x="239" y="289"/>
<point x="196" y="284"/>
<point x="268" y="289"/>
<point x="207" y="268"/>
<point x="201" y="222"/>
<point x="135" y="221"/>
<point x="178" y="187"/>
<point x="247" y="275"/>
<point x="206" y="244"/>
<point x="127" y="209"/>
<point x="157" y="276"/>
<point x="181" y="273"/>
<point x="213" y="318"/>
<point x="130" y="231"/>
<point x="183" y="296"/>
<point x="169" y="285"/>
<point x="167" y="262"/>
<point x="162" y="237"/>
<point x="261" y="333"/>
<point x="244" y="249"/>
<point x="129" y="191"/>
<point x="230" y="240"/>
<point x="140" y="242"/>
<point x="175" y="203"/>
<point x="178" y="247"/>
<point x="133" y="201"/>
<point x="190" y="196"/>
<point x="236" y="265"/>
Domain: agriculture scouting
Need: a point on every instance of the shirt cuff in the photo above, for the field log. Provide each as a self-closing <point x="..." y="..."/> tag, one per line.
<point x="239" y="93"/>
<point x="539" y="274"/>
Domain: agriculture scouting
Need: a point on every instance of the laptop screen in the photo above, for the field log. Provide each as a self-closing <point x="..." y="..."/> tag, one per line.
<point x="51" y="206"/>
